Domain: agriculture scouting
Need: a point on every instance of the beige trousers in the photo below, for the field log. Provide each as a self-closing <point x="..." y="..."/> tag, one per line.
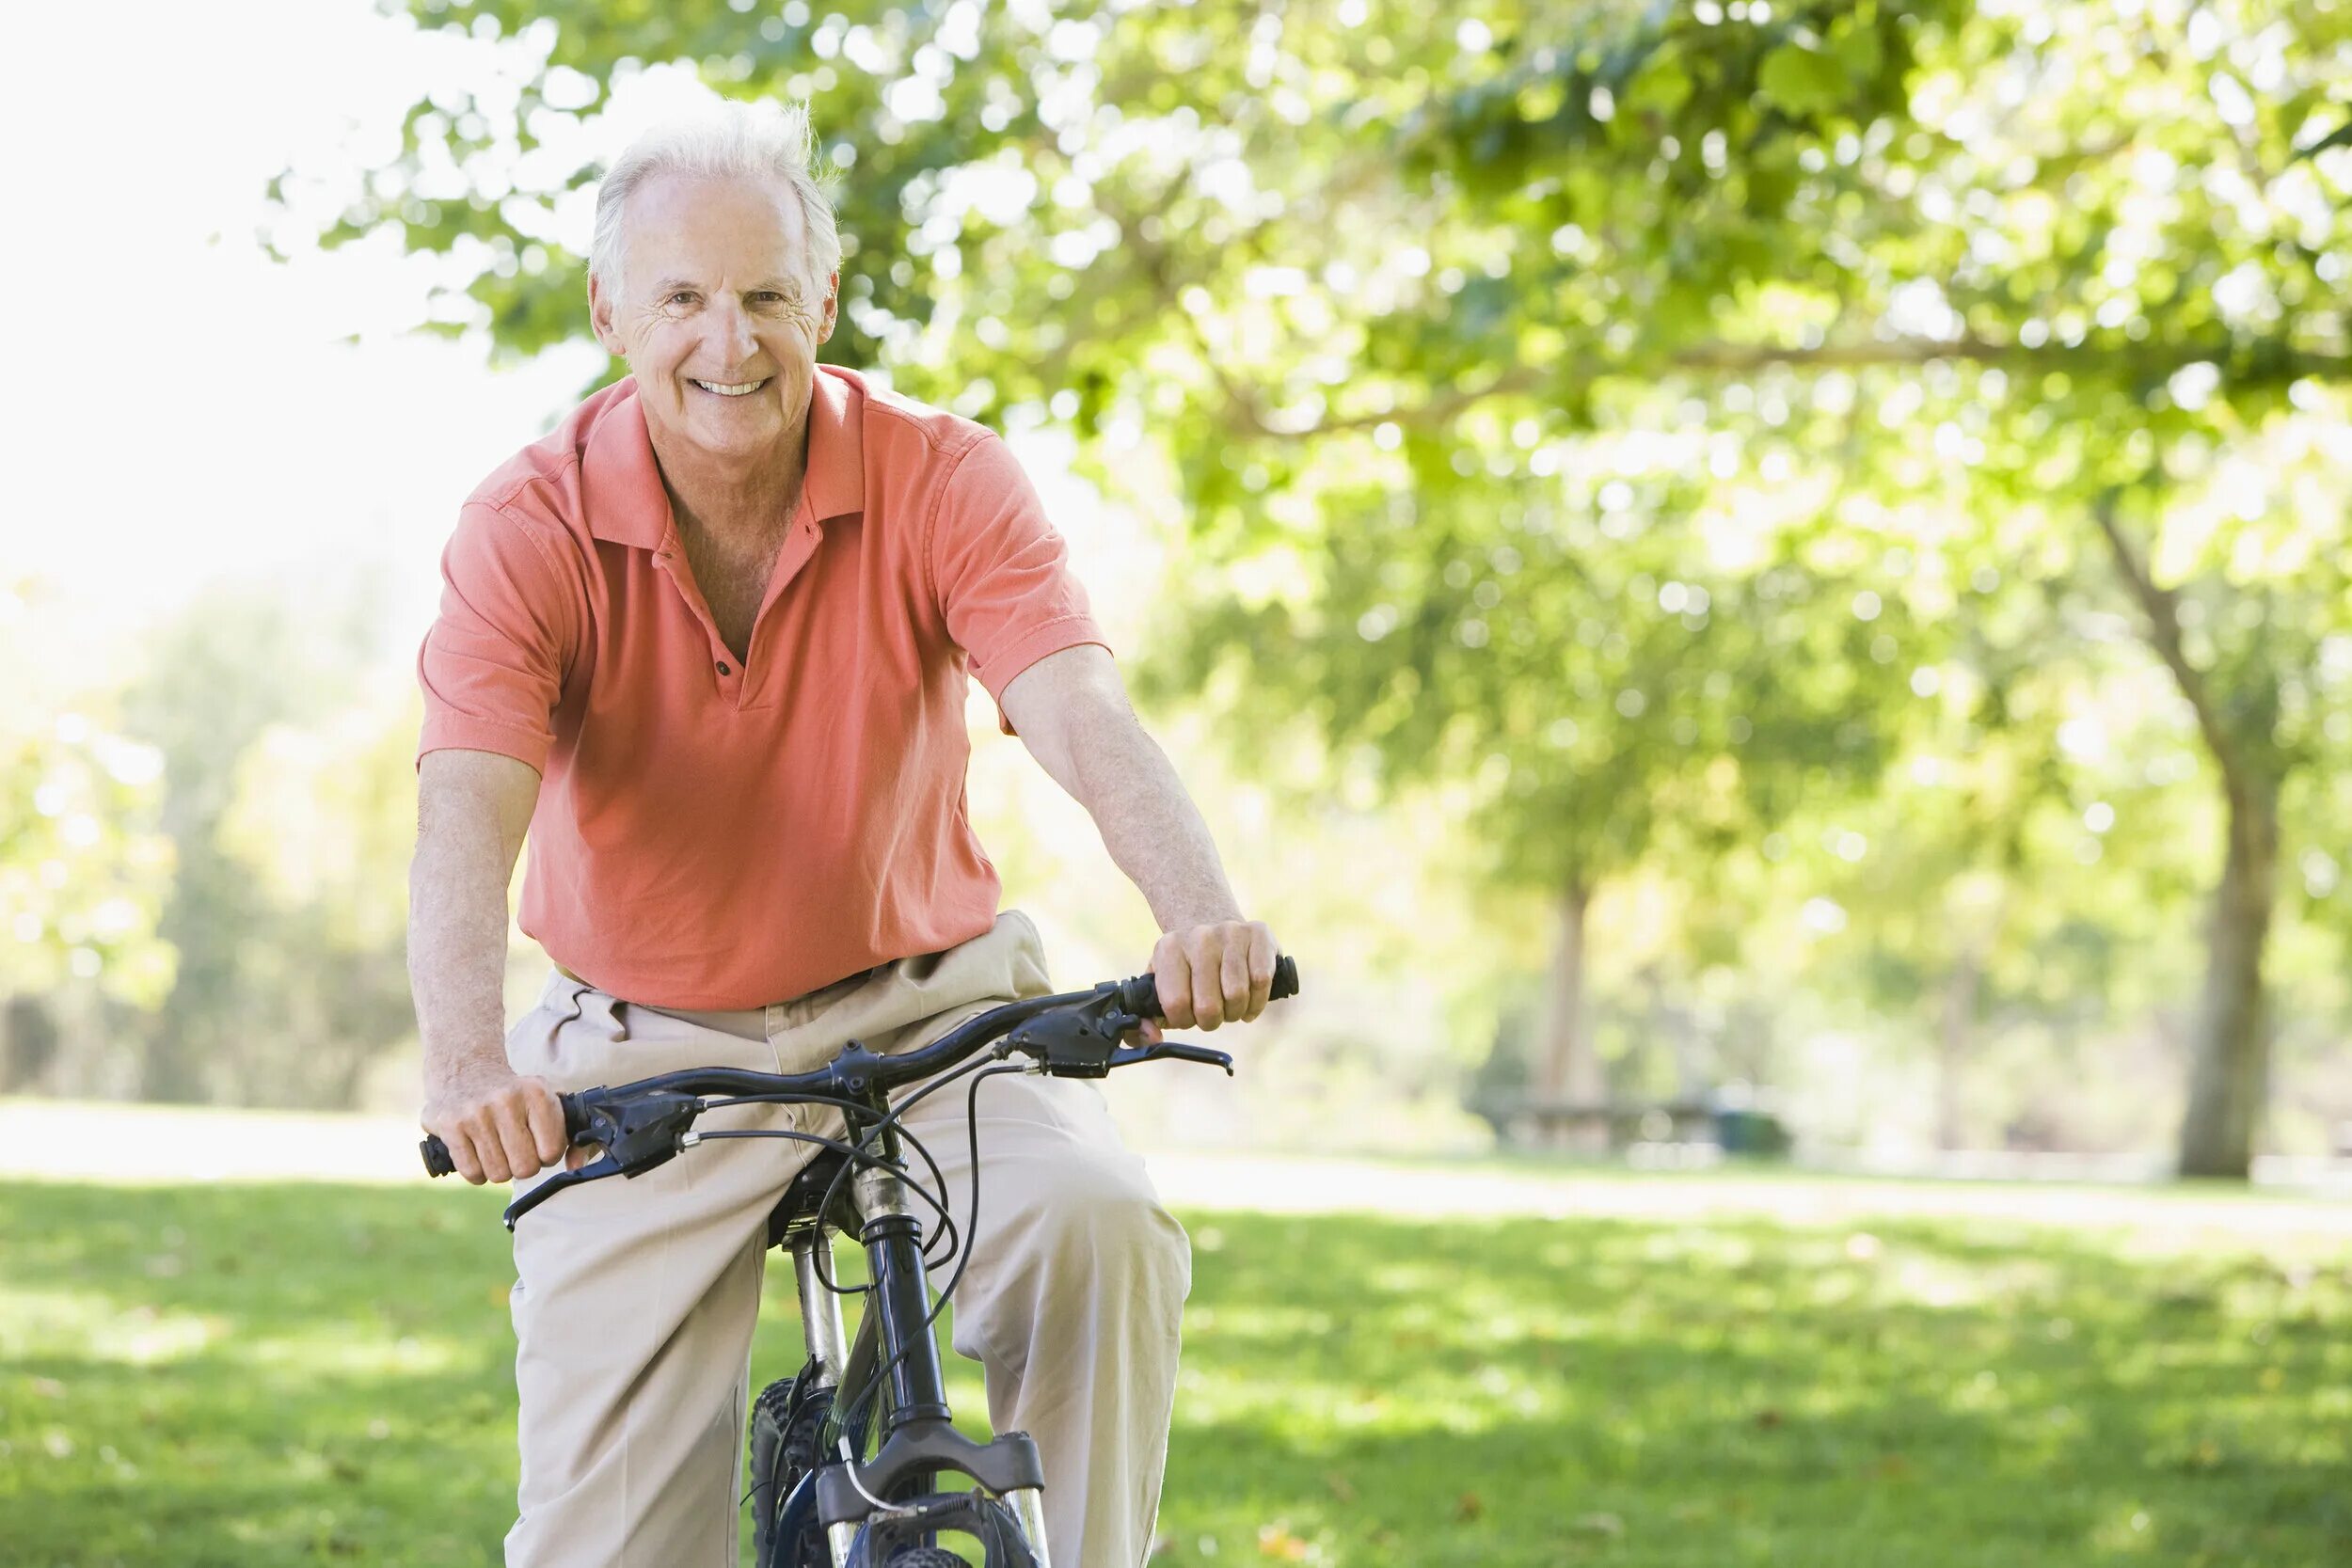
<point x="635" y="1298"/>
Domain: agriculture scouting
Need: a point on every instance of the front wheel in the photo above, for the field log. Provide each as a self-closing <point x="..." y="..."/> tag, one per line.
<point x="926" y="1557"/>
<point x="785" y="1427"/>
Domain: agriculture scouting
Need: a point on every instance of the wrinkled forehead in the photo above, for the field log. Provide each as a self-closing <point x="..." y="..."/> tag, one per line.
<point x="707" y="228"/>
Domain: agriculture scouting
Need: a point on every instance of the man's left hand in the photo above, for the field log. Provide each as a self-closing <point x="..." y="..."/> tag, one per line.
<point x="1215" y="973"/>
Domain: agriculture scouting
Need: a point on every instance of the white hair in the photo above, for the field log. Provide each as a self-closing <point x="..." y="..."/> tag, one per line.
<point x="757" y="139"/>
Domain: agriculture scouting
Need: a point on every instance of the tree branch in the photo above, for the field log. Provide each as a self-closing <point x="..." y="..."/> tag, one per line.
<point x="2162" y="608"/>
<point x="1921" y="351"/>
<point x="1738" y="358"/>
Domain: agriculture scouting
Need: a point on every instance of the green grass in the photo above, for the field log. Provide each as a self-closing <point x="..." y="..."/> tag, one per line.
<point x="243" y="1376"/>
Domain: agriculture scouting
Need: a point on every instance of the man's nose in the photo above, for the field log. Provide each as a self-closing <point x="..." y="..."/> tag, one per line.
<point x="734" y="325"/>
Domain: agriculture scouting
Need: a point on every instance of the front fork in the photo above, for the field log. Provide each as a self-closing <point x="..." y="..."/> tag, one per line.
<point x="821" y="1308"/>
<point x="900" y="1289"/>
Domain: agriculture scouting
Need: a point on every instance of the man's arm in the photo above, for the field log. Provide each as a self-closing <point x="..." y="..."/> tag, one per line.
<point x="473" y="810"/>
<point x="1070" y="710"/>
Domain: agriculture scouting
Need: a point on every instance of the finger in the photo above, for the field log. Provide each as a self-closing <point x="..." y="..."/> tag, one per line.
<point x="488" y="1148"/>
<point x="461" y="1155"/>
<point x="1234" y="973"/>
<point x="514" y="1126"/>
<point x="547" y="1124"/>
<point x="1208" y="989"/>
<point x="1173" y="971"/>
<point x="582" y="1154"/>
<point x="1262" y="957"/>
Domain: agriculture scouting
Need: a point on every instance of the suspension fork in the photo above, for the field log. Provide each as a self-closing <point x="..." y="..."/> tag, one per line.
<point x="898" y="1303"/>
<point x="820" y="1309"/>
<point x="893" y="1238"/>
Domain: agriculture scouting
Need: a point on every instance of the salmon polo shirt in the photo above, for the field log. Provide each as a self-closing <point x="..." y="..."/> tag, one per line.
<point x="711" y="834"/>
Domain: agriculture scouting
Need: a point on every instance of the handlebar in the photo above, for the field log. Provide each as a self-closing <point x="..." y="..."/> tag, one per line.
<point x="1075" y="1035"/>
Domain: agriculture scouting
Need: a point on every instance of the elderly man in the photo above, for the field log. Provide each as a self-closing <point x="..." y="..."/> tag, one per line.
<point x="707" y="642"/>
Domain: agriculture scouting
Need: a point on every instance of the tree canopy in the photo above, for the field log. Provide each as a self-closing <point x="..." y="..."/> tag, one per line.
<point x="1659" y="416"/>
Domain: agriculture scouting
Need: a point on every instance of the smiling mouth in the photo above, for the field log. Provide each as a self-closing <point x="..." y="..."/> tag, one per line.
<point x="739" y="389"/>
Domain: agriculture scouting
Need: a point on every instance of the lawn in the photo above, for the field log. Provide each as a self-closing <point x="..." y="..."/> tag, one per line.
<point x="240" y="1376"/>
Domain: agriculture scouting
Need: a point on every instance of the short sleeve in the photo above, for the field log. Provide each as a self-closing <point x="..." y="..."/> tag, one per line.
<point x="493" y="663"/>
<point x="1001" y="571"/>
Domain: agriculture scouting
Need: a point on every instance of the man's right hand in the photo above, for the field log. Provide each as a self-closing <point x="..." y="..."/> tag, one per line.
<point x="499" y="1125"/>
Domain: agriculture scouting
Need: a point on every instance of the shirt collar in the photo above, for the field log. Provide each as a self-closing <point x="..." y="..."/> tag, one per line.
<point x="620" y="482"/>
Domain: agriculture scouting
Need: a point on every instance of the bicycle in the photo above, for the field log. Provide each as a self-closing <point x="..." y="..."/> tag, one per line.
<point x="820" y="1499"/>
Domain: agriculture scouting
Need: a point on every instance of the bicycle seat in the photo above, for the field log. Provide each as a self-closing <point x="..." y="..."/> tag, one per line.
<point x="796" y="1210"/>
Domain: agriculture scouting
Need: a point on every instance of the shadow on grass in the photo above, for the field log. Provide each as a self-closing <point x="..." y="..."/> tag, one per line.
<point x="255" y="1375"/>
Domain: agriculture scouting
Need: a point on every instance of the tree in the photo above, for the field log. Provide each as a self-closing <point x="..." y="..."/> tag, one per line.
<point x="82" y="866"/>
<point x="289" y="808"/>
<point x="2118" y="333"/>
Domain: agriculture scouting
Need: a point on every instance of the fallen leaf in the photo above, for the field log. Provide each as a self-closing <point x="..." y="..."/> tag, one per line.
<point x="1340" y="1486"/>
<point x="1469" y="1506"/>
<point x="1768" y="1419"/>
<point x="1277" y="1541"/>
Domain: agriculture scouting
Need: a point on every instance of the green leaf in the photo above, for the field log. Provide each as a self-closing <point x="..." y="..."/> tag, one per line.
<point x="1858" y="50"/>
<point x="1663" y="84"/>
<point x="1801" y="81"/>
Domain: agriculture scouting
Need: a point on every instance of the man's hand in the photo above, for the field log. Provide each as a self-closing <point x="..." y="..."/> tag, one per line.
<point x="1215" y="973"/>
<point x="499" y="1125"/>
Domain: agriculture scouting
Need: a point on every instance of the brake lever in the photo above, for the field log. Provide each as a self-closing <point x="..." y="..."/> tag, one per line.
<point x="636" y="1134"/>
<point x="1180" y="1051"/>
<point x="606" y="1165"/>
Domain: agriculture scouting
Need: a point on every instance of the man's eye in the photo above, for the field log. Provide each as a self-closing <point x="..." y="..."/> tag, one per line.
<point x="676" y="297"/>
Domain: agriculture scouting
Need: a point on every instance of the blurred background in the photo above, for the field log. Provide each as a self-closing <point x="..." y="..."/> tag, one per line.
<point x="1760" y="590"/>
<point x="1722" y="573"/>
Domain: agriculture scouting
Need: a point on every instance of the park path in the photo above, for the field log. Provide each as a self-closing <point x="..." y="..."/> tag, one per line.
<point x="55" y="1140"/>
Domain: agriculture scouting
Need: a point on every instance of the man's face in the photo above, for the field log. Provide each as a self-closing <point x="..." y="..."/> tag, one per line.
<point x="716" y="297"/>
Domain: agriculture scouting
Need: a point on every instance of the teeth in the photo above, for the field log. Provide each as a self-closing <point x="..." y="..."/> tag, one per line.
<point x="744" y="389"/>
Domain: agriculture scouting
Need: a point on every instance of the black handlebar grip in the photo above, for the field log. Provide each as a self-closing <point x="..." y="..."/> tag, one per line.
<point x="436" y="1152"/>
<point x="1141" y="996"/>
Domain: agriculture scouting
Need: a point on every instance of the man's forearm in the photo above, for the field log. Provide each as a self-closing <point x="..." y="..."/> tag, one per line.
<point x="1149" y="823"/>
<point x="457" y="953"/>
<point x="1212" y="965"/>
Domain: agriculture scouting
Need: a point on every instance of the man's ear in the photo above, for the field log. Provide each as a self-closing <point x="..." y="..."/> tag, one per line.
<point x="833" y="308"/>
<point x="600" y="316"/>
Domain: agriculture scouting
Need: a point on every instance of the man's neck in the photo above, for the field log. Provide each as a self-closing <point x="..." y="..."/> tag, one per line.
<point x="741" y="502"/>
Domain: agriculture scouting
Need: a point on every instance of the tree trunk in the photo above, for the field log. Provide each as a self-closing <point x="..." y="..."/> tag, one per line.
<point x="28" y="1043"/>
<point x="1569" y="1071"/>
<point x="1953" y="1039"/>
<point x="2229" y="1047"/>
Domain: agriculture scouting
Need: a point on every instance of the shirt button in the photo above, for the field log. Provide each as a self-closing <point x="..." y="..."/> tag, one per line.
<point x="724" y="671"/>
